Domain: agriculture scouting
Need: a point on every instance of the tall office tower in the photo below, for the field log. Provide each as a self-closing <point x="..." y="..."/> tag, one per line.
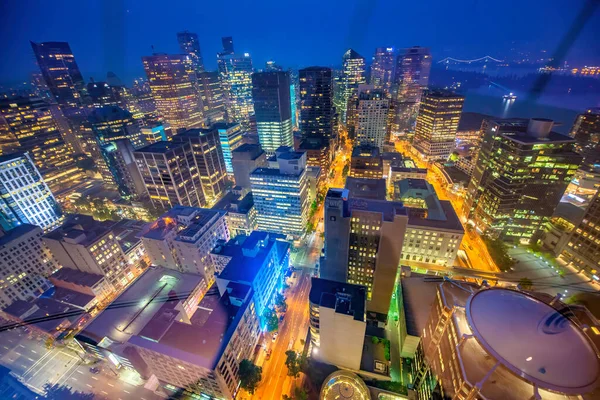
<point x="271" y="66"/>
<point x="212" y="96"/>
<point x="64" y="81"/>
<point x="437" y="123"/>
<point x="363" y="244"/>
<point x="227" y="42"/>
<point x="236" y="79"/>
<point x="586" y="131"/>
<point x="281" y="194"/>
<point x="521" y="174"/>
<point x="174" y="87"/>
<point x="24" y="196"/>
<point x="119" y="160"/>
<point x="27" y="124"/>
<point x="272" y="108"/>
<point x="583" y="246"/>
<point x="316" y="102"/>
<point x="411" y="78"/>
<point x="372" y="110"/>
<point x="353" y="74"/>
<point x="170" y="174"/>
<point x="382" y="68"/>
<point x="209" y="160"/>
<point x="244" y="160"/>
<point x="25" y="264"/>
<point x="189" y="44"/>
<point x="230" y="138"/>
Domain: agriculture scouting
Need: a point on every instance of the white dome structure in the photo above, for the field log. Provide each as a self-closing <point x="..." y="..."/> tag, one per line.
<point x="344" y="385"/>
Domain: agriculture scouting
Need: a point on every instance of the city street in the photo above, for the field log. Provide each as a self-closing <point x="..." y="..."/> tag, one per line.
<point x="35" y="366"/>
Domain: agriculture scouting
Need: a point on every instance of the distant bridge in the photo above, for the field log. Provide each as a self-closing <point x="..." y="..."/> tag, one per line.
<point x="485" y="59"/>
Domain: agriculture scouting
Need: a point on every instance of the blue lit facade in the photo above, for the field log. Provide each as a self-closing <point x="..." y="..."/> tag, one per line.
<point x="230" y="136"/>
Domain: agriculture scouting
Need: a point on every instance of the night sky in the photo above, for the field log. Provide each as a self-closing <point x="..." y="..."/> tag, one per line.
<point x="112" y="35"/>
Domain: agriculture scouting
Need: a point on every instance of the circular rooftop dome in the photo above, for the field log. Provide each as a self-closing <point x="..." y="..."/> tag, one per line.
<point x="533" y="340"/>
<point x="344" y="385"/>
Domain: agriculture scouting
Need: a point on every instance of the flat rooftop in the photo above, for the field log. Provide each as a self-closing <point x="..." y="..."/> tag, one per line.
<point x="196" y="219"/>
<point x="345" y="298"/>
<point x="76" y="277"/>
<point x="81" y="229"/>
<point x="16" y="233"/>
<point x="366" y="188"/>
<point x="160" y="147"/>
<point x="232" y="202"/>
<point x="365" y="151"/>
<point x="418" y="296"/>
<point x="452" y="222"/>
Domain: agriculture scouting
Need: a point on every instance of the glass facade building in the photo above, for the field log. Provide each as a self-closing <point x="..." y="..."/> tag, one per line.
<point x="382" y="68"/>
<point x="316" y="102"/>
<point x="189" y="44"/>
<point x="353" y="74"/>
<point x="230" y="137"/>
<point x="236" y="80"/>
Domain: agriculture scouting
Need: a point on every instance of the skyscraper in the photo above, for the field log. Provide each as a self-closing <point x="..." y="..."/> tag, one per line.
<point x="521" y="174"/>
<point x="583" y="246"/>
<point x="272" y="108"/>
<point x="363" y="244"/>
<point x="170" y="174"/>
<point x="174" y="87"/>
<point x="230" y="138"/>
<point x="212" y="97"/>
<point x="372" y="108"/>
<point x="353" y="74"/>
<point x="586" y="131"/>
<point x="27" y="124"/>
<point x="24" y="196"/>
<point x="227" y="42"/>
<point x="437" y="123"/>
<point x="209" y="160"/>
<point x="281" y="194"/>
<point x="236" y="80"/>
<point x="189" y="44"/>
<point x="411" y="78"/>
<point x="316" y="102"/>
<point x="382" y="69"/>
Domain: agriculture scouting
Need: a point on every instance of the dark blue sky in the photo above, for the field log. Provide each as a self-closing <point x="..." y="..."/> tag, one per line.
<point x="114" y="34"/>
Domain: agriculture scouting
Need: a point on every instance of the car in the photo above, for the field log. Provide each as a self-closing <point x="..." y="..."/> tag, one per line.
<point x="95" y="370"/>
<point x="275" y="336"/>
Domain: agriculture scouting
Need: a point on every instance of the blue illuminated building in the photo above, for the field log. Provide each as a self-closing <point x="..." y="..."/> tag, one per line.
<point x="230" y="136"/>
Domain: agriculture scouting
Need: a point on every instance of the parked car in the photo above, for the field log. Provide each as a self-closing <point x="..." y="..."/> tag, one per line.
<point x="95" y="370"/>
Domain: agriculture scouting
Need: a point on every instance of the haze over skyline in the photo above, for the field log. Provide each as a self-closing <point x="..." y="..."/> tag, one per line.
<point x="113" y="35"/>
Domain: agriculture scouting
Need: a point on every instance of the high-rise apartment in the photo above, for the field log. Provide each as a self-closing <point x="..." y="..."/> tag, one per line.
<point x="272" y="108"/>
<point x="316" y="102"/>
<point x="372" y="108"/>
<point x="189" y="44"/>
<point x="25" y="263"/>
<point x="236" y="79"/>
<point x="437" y="123"/>
<point x="208" y="156"/>
<point x="245" y="159"/>
<point x="583" y="246"/>
<point x="27" y="124"/>
<point x="353" y="74"/>
<point x="363" y="244"/>
<point x="281" y="194"/>
<point x="24" y="196"/>
<point x="586" y="131"/>
<point x="382" y="68"/>
<point x="212" y="96"/>
<point x="174" y="86"/>
<point x="521" y="174"/>
<point x="170" y="174"/>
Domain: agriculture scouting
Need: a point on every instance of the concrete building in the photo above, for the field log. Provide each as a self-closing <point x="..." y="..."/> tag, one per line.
<point x="372" y="108"/>
<point x="25" y="264"/>
<point x="209" y="157"/>
<point x="26" y="199"/>
<point x="364" y="188"/>
<point x="189" y="336"/>
<point x="240" y="212"/>
<point x="434" y="232"/>
<point x="246" y="159"/>
<point x="437" y="122"/>
<point x="366" y="162"/>
<point x="405" y="170"/>
<point x="318" y="152"/>
<point x="522" y="171"/>
<point x="258" y="260"/>
<point x="85" y="283"/>
<point x="338" y="321"/>
<point x="281" y="194"/>
<point x="183" y="237"/>
<point x="314" y="178"/>
<point x="91" y="246"/>
<point x="170" y="174"/>
<point x="363" y="244"/>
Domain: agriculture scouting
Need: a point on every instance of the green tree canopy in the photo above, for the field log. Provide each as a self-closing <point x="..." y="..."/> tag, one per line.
<point x="250" y="375"/>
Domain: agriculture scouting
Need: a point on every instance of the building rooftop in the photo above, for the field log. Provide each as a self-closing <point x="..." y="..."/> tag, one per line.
<point x="388" y="209"/>
<point x="365" y="151"/>
<point x="451" y="221"/>
<point x="418" y="296"/>
<point x="366" y="188"/>
<point x="128" y="233"/>
<point x="160" y="147"/>
<point x="16" y="233"/>
<point x="471" y="121"/>
<point x="345" y="298"/>
<point x="80" y="229"/>
<point x="37" y="313"/>
<point x="76" y="277"/>
<point x="273" y="172"/>
<point x="190" y="221"/>
<point x="232" y="202"/>
<point x="109" y="113"/>
<point x="11" y="156"/>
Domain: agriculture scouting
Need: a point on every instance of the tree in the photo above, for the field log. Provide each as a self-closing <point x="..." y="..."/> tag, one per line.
<point x="374" y="339"/>
<point x="280" y="302"/>
<point x="271" y="319"/>
<point x="300" y="393"/>
<point x="499" y="253"/>
<point x="59" y="392"/>
<point x="250" y="375"/>
<point x="345" y="170"/>
<point x="525" y="283"/>
<point x="294" y="363"/>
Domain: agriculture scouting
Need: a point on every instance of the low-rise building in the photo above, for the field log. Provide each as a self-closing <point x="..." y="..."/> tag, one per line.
<point x="318" y="152"/>
<point x="366" y="162"/>
<point x="246" y="159"/>
<point x="240" y="212"/>
<point x="338" y="321"/>
<point x="93" y="285"/>
<point x="314" y="178"/>
<point x="183" y="238"/>
<point x="366" y="188"/>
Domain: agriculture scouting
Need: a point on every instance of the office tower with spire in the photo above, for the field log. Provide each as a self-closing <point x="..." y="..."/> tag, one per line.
<point x="382" y="68"/>
<point x="24" y="196"/>
<point x="189" y="44"/>
<point x="174" y="86"/>
<point x="352" y="75"/>
<point x="316" y="102"/>
<point x="521" y="174"/>
<point x="437" y="123"/>
<point x="272" y="108"/>
<point x="372" y="108"/>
